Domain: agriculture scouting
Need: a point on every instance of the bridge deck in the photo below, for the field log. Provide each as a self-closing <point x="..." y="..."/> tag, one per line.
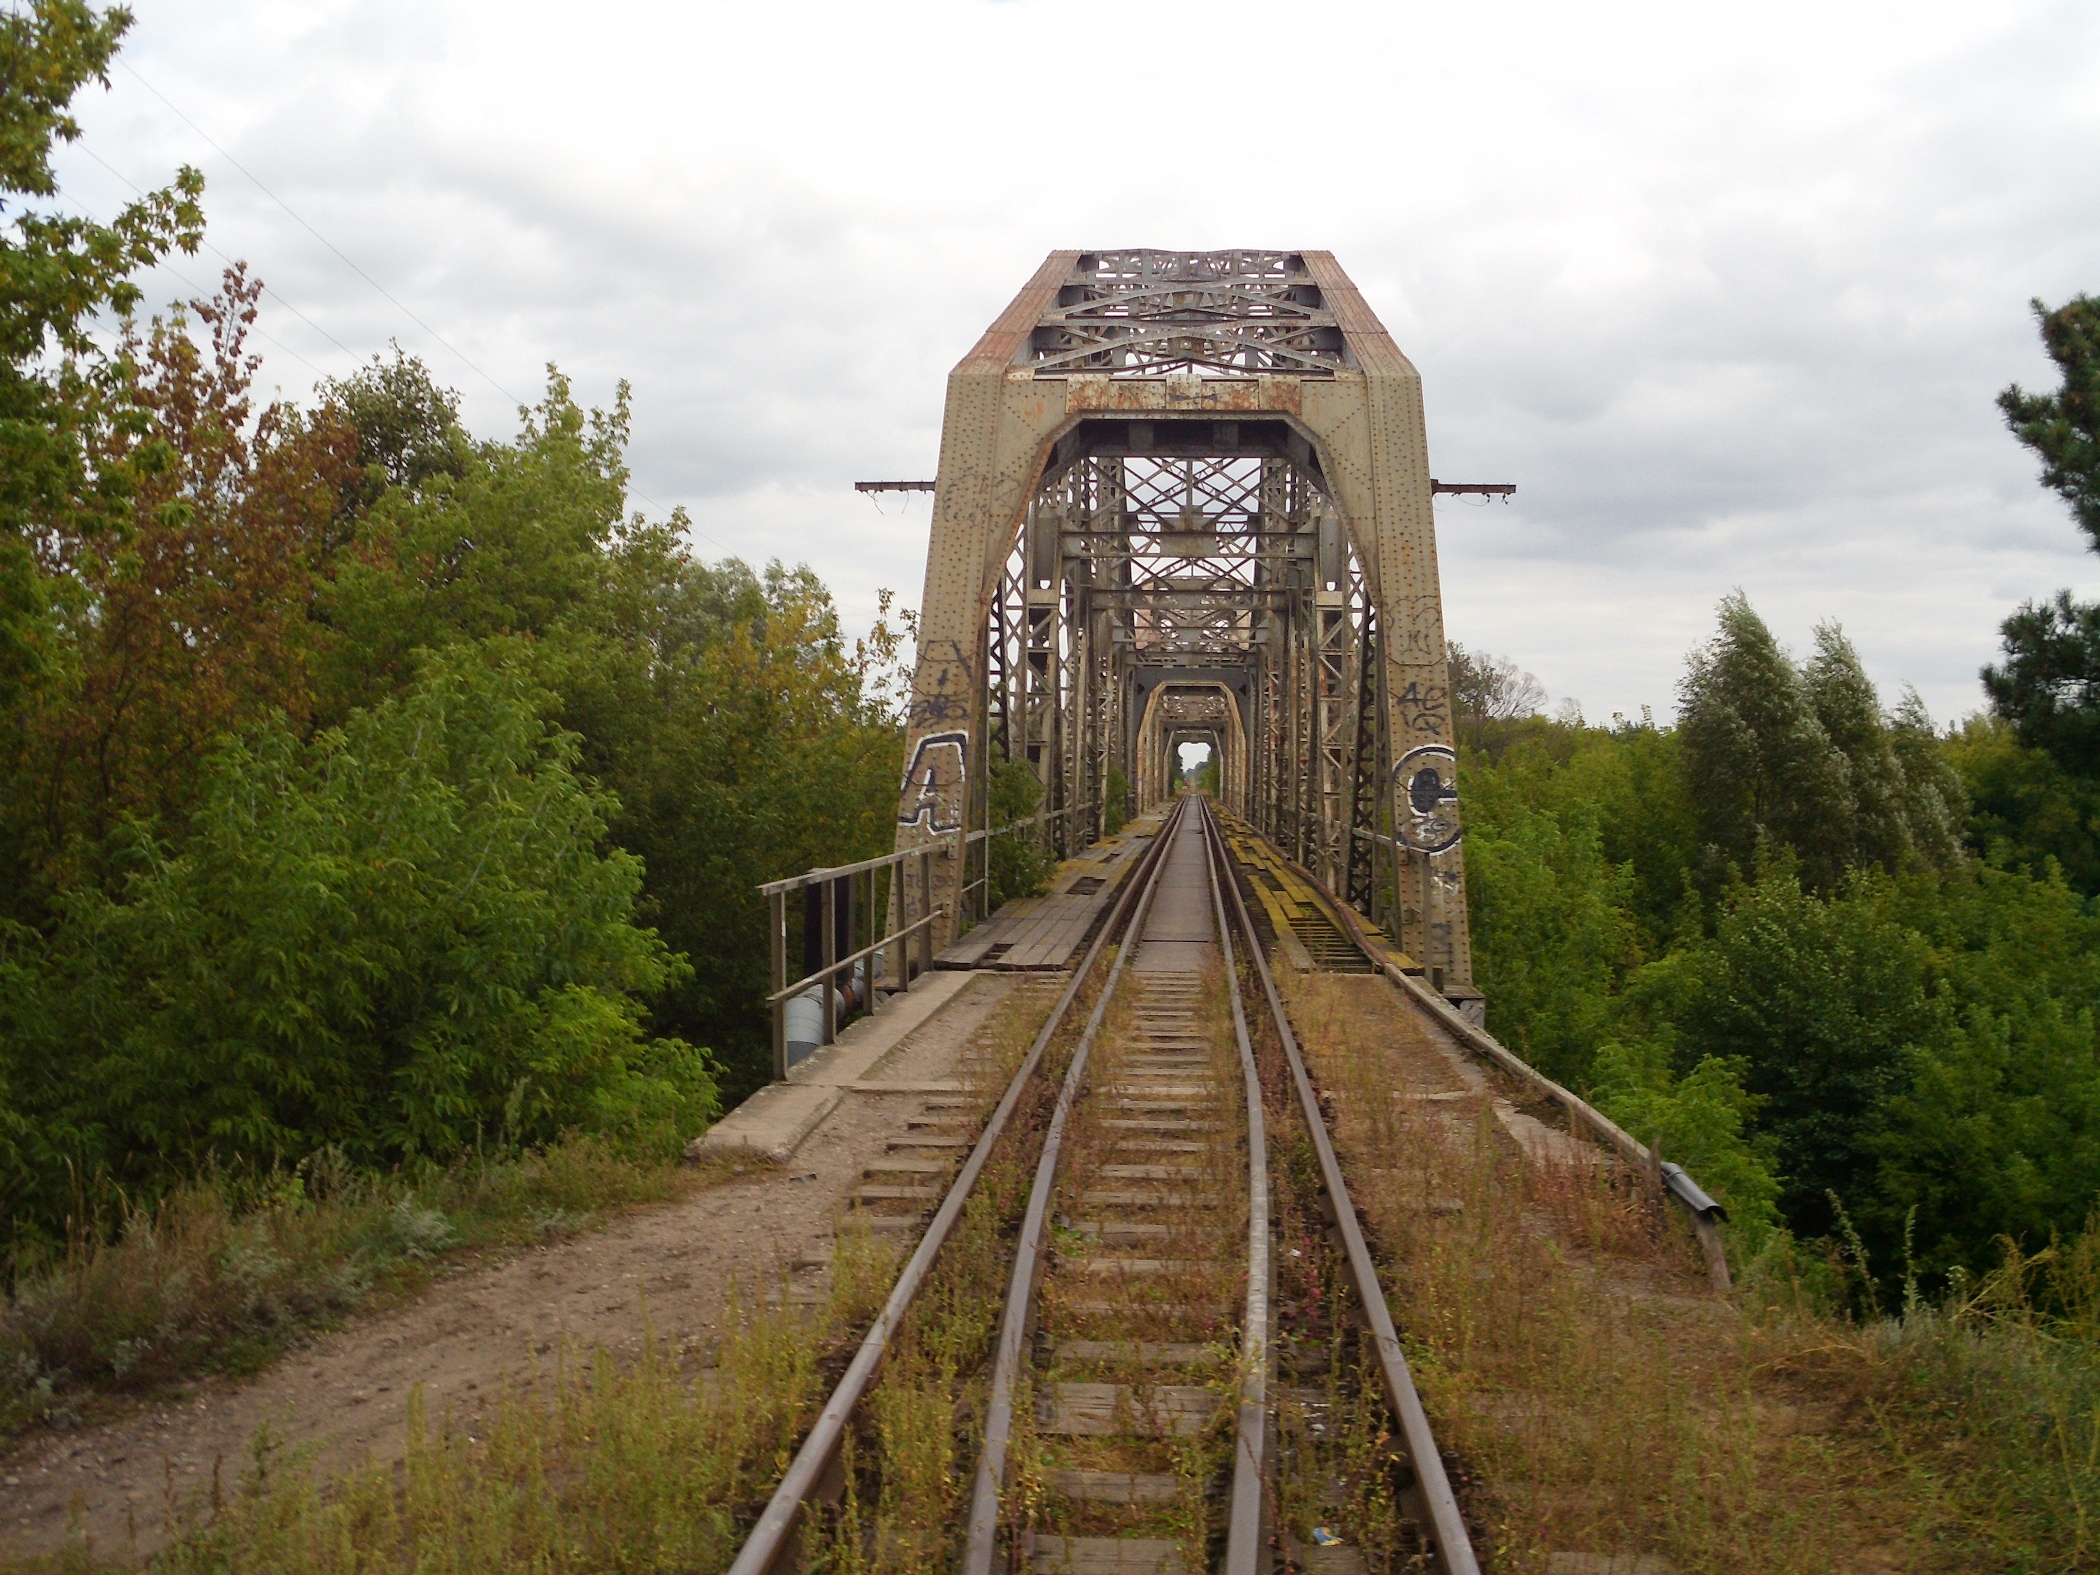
<point x="1032" y="933"/>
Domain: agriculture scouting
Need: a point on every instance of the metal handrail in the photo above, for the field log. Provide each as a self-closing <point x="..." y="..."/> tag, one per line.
<point x="860" y="881"/>
<point x="846" y="962"/>
<point x="834" y="872"/>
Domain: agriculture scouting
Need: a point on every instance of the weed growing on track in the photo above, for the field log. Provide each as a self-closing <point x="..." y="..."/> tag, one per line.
<point x="1604" y="1402"/>
<point x="1193" y="1298"/>
<point x="908" y="1465"/>
<point x="225" y="1273"/>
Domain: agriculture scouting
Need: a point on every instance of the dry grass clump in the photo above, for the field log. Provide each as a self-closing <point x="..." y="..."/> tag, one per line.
<point x="595" y="1466"/>
<point x="1599" y="1399"/>
<point x="225" y="1273"/>
<point x="907" y="1463"/>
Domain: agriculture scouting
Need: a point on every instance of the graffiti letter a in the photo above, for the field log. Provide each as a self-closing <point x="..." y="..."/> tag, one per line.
<point x="932" y="796"/>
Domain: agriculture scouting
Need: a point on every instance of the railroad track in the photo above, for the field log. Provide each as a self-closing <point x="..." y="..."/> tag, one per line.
<point x="1172" y="1386"/>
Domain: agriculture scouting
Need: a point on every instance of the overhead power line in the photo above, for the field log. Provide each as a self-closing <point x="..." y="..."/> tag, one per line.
<point x="263" y="333"/>
<point x="324" y="240"/>
<point x="273" y="293"/>
<point x="348" y="262"/>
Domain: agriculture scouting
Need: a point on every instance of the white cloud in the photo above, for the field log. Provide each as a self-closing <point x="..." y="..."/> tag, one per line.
<point x="1728" y="294"/>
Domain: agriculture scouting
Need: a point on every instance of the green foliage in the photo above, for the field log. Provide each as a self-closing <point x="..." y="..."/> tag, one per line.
<point x="61" y="394"/>
<point x="1822" y="1003"/>
<point x="1758" y="761"/>
<point x="1115" y="809"/>
<point x="2049" y="687"/>
<point x="1904" y="1026"/>
<point x="2064" y="427"/>
<point x="1701" y="1121"/>
<point x="1806" y="760"/>
<point x="1018" y="865"/>
<point x="2026" y="812"/>
<point x="1550" y="928"/>
<point x="377" y="940"/>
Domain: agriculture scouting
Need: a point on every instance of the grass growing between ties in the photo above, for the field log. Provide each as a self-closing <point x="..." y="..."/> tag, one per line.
<point x="1339" y="1478"/>
<point x="908" y="1463"/>
<point x="1603" y="1401"/>
<point x="225" y="1274"/>
<point x="1142" y="1290"/>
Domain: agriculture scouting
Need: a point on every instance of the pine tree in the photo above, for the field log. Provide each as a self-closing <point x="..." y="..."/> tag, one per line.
<point x="2049" y="687"/>
<point x="2064" y="427"/>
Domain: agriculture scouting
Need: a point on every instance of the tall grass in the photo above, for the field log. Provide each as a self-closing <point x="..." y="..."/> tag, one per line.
<point x="1602" y="1401"/>
<point x="226" y="1272"/>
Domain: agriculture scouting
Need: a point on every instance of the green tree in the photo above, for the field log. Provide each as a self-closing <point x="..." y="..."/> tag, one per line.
<point x="1552" y="934"/>
<point x="1017" y="865"/>
<point x="1823" y="1003"/>
<point x="1845" y="705"/>
<point x="1997" y="1132"/>
<point x="2063" y="428"/>
<point x="395" y="938"/>
<point x="2049" y="685"/>
<point x="2026" y="812"/>
<point x="1758" y="762"/>
<point x="61" y="394"/>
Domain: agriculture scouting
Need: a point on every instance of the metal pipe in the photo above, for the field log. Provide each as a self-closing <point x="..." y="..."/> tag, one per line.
<point x="769" y="1538"/>
<point x="980" y="1542"/>
<point x="1454" y="1547"/>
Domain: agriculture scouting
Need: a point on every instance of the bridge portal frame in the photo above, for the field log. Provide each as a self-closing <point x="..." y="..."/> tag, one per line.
<point x="1158" y="342"/>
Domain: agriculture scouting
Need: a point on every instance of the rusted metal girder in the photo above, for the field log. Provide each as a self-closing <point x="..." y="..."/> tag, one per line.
<point x="1159" y="462"/>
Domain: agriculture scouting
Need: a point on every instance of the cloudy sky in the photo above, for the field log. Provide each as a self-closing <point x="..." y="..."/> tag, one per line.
<point x="1727" y="291"/>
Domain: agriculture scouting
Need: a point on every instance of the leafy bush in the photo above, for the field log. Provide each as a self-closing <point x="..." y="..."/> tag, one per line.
<point x="1115" y="807"/>
<point x="393" y="939"/>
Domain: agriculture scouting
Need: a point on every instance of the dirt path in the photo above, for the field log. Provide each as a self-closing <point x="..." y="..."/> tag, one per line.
<point x="347" y="1393"/>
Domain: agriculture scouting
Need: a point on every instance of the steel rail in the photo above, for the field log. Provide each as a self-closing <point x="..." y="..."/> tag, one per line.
<point x="769" y="1538"/>
<point x="981" y="1540"/>
<point x="1243" y="1540"/>
<point x="1454" y="1547"/>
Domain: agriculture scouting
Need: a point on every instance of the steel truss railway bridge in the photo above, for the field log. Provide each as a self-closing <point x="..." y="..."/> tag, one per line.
<point x="1185" y="497"/>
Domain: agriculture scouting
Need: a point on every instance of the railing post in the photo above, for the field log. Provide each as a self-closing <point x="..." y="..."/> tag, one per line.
<point x="830" y="953"/>
<point x="872" y="969"/>
<point x="926" y="910"/>
<point x="778" y="903"/>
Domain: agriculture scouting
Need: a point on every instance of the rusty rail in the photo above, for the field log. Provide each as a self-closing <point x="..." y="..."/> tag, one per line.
<point x="770" y="1540"/>
<point x="980" y="1541"/>
<point x="1448" y="1527"/>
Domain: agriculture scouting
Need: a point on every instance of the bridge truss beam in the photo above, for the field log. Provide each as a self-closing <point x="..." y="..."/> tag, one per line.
<point x="1186" y="495"/>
